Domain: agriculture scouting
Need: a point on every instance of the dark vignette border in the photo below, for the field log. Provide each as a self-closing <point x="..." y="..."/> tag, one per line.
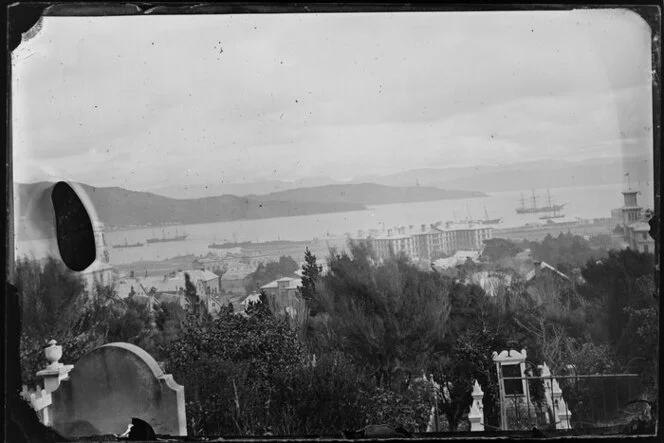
<point x="21" y="422"/>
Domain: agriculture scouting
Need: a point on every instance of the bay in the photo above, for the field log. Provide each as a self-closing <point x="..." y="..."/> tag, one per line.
<point x="581" y="202"/>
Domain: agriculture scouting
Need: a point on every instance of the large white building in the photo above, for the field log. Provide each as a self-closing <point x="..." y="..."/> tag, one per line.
<point x="429" y="241"/>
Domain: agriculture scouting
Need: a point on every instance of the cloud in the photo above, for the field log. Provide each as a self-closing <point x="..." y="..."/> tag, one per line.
<point x="143" y="101"/>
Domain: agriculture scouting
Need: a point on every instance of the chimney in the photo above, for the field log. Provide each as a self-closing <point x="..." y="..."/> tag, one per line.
<point x="424" y="227"/>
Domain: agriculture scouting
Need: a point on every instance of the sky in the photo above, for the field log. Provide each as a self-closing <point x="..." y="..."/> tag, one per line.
<point x="142" y="102"/>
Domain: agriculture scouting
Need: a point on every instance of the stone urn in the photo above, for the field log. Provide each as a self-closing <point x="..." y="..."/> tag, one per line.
<point x="53" y="352"/>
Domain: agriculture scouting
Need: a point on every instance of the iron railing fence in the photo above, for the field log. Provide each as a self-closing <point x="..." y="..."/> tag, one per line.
<point x="593" y="401"/>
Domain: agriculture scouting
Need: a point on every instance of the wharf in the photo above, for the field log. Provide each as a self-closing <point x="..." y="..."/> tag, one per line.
<point x="537" y="233"/>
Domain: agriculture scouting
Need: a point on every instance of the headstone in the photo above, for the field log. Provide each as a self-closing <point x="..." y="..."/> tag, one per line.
<point x="476" y="414"/>
<point x="113" y="384"/>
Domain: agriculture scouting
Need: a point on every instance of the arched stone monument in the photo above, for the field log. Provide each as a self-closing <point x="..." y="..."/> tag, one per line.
<point x="112" y="384"/>
<point x="515" y="402"/>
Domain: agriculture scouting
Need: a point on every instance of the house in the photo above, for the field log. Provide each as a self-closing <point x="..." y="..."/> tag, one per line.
<point x="129" y="287"/>
<point x="638" y="237"/>
<point x="543" y="269"/>
<point x="171" y="288"/>
<point x="491" y="281"/>
<point x="284" y="294"/>
<point x="544" y="280"/>
<point x="459" y="258"/>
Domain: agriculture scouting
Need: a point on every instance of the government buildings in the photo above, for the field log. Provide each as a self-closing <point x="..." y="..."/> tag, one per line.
<point x="428" y="242"/>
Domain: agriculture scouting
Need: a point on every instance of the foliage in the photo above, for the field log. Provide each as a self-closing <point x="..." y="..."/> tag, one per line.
<point x="496" y="249"/>
<point x="408" y="409"/>
<point x="51" y="297"/>
<point x="378" y="326"/>
<point x="391" y="317"/>
<point x="567" y="250"/>
<point x="196" y="310"/>
<point x="229" y="365"/>
<point x="613" y="283"/>
<point x="310" y="275"/>
<point x="328" y="395"/>
<point x="56" y="306"/>
<point x="469" y="360"/>
<point x="265" y="273"/>
<point x="604" y="241"/>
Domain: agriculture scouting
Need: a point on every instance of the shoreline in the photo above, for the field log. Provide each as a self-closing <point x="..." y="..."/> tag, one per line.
<point x="110" y="228"/>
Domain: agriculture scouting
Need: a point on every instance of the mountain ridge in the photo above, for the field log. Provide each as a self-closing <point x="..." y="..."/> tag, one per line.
<point x="118" y="207"/>
<point x="550" y="173"/>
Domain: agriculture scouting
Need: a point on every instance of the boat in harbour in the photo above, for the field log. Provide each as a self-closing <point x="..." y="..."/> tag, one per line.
<point x="485" y="221"/>
<point x="165" y="239"/>
<point x="489" y="221"/>
<point x="535" y="209"/>
<point x="127" y="245"/>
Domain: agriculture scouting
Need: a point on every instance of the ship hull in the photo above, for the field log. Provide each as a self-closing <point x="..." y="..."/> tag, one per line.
<point x="554" y="208"/>
<point x="165" y="240"/>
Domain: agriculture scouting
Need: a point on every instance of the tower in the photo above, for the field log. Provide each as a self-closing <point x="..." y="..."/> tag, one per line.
<point x="631" y="211"/>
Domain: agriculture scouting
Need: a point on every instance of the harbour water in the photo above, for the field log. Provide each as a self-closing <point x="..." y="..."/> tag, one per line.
<point x="586" y="202"/>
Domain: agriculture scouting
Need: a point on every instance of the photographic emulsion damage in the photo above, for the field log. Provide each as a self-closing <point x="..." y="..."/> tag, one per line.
<point x="299" y="222"/>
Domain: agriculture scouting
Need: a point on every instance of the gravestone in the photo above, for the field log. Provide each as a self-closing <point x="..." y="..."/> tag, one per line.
<point x="516" y="408"/>
<point x="113" y="384"/>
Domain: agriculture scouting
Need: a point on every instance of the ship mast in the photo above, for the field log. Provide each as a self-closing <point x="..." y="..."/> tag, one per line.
<point x="523" y="201"/>
<point x="534" y="199"/>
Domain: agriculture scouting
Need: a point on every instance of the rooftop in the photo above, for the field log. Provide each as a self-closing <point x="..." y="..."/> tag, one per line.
<point x="293" y="283"/>
<point x="640" y="226"/>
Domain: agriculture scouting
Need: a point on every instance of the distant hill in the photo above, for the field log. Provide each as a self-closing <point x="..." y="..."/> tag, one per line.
<point x="366" y="194"/>
<point x="210" y="189"/>
<point x="522" y="176"/>
<point x="118" y="207"/>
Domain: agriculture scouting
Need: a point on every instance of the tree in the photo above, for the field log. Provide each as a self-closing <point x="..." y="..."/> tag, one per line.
<point x="228" y="367"/>
<point x="51" y="297"/>
<point x="265" y="273"/>
<point x="195" y="306"/>
<point x="496" y="249"/>
<point x="470" y="359"/>
<point x="310" y="274"/>
<point x="392" y="317"/>
<point x="613" y="283"/>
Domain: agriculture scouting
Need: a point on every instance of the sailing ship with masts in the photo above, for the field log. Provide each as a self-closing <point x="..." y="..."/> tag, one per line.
<point x="164" y="239"/>
<point x="535" y="209"/>
<point x="489" y="221"/>
<point x="485" y="221"/>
